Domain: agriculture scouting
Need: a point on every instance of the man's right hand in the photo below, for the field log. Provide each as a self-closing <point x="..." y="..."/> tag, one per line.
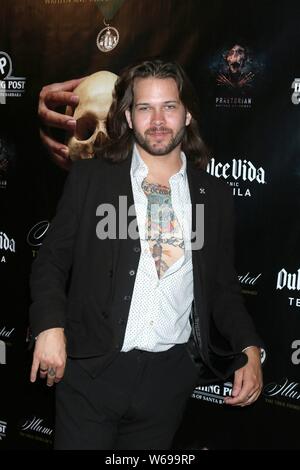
<point x="52" y="96"/>
<point x="49" y="356"/>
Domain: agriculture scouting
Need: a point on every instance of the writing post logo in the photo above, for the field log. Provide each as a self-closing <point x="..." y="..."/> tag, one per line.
<point x="213" y="393"/>
<point x="3" y="426"/>
<point x="10" y="86"/>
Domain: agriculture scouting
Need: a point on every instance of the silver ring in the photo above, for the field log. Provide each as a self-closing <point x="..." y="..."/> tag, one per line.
<point x="51" y="372"/>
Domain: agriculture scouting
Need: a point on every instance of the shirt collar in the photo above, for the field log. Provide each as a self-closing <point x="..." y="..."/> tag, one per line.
<point x="139" y="167"/>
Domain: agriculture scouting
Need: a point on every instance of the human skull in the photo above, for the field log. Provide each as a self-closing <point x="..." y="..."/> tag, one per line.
<point x="95" y="97"/>
<point x="235" y="58"/>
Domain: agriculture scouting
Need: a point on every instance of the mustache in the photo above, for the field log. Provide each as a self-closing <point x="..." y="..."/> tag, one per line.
<point x="158" y="129"/>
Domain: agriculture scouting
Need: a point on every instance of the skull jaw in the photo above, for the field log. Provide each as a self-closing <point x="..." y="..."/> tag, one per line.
<point x="80" y="150"/>
<point x="90" y="134"/>
<point x="83" y="149"/>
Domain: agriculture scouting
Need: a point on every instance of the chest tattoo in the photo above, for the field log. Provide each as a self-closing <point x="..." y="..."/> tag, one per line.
<point x="163" y="231"/>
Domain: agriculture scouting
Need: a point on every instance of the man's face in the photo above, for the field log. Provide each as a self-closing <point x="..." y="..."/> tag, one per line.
<point x="158" y="117"/>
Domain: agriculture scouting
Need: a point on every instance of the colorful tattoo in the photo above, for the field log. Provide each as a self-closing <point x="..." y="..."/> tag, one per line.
<point x="163" y="230"/>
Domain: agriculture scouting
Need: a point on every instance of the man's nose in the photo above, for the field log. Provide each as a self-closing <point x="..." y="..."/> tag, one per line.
<point x="158" y="117"/>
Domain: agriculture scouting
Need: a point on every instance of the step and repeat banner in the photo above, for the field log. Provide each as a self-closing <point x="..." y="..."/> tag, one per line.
<point x="244" y="62"/>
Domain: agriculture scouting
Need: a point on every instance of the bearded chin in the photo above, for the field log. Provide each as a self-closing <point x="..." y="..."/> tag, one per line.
<point x="152" y="150"/>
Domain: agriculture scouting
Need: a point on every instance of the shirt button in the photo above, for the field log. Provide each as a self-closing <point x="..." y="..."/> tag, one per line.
<point x="136" y="249"/>
<point x="126" y="298"/>
<point x="131" y="272"/>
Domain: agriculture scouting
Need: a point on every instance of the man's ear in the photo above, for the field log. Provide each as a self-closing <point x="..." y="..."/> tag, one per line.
<point x="188" y="118"/>
<point x="128" y="118"/>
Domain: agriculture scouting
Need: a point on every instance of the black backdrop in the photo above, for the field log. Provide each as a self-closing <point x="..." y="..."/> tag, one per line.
<point x="251" y="125"/>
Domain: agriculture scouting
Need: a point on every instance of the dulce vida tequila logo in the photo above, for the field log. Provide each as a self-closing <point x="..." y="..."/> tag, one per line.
<point x="290" y="282"/>
<point x="239" y="174"/>
<point x="7" y="246"/>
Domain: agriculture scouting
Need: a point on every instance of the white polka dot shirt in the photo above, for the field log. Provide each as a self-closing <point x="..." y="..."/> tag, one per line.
<point x="160" y="308"/>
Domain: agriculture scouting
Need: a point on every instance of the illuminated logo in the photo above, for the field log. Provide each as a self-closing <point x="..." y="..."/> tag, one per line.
<point x="35" y="428"/>
<point x="284" y="394"/>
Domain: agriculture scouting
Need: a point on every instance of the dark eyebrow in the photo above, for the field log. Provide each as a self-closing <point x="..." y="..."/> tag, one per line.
<point x="171" y="101"/>
<point x="164" y="102"/>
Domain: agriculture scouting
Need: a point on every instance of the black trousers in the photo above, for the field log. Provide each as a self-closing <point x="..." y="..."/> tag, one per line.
<point x="136" y="402"/>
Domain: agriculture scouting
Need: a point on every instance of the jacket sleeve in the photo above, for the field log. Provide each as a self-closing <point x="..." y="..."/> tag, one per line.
<point x="229" y="313"/>
<point x="51" y="268"/>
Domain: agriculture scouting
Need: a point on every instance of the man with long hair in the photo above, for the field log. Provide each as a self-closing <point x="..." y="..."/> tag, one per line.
<point x="135" y="297"/>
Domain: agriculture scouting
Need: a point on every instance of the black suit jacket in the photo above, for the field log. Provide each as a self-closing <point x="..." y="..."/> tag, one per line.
<point x="85" y="284"/>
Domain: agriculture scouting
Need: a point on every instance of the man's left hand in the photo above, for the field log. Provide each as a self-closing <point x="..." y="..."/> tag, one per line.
<point x="248" y="380"/>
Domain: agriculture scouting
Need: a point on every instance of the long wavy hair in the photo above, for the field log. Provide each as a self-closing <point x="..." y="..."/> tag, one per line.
<point x="121" y="138"/>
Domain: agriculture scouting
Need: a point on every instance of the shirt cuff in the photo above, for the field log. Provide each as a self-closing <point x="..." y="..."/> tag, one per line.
<point x="262" y="352"/>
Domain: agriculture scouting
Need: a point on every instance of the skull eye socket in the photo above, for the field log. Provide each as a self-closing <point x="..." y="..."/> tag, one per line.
<point x="85" y="127"/>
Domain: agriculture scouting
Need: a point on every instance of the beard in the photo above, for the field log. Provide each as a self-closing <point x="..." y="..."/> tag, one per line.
<point x="157" y="148"/>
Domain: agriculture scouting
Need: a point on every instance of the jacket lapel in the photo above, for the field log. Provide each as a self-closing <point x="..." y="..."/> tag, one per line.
<point x="199" y="193"/>
<point x="125" y="248"/>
